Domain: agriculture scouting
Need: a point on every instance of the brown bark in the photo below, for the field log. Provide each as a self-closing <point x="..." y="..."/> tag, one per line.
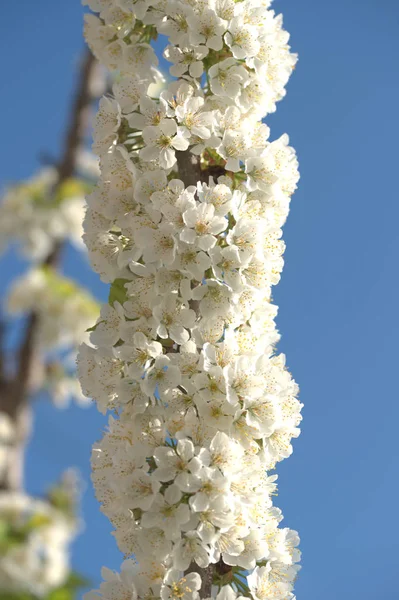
<point x="206" y="578"/>
<point x="15" y="389"/>
<point x="189" y="167"/>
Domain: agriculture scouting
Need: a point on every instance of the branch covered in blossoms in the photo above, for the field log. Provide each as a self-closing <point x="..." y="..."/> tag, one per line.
<point x="185" y="226"/>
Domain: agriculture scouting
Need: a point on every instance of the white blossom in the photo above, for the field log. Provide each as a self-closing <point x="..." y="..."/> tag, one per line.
<point x="180" y="588"/>
<point x="227" y="78"/>
<point x="162" y="141"/>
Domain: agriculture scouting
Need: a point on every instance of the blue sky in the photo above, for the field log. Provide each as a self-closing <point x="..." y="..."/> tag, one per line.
<point x="338" y="297"/>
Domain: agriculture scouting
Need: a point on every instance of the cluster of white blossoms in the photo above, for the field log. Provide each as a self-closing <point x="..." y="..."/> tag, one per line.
<point x="35" y="540"/>
<point x="185" y="224"/>
<point x="65" y="311"/>
<point x="33" y="217"/>
<point x="39" y="215"/>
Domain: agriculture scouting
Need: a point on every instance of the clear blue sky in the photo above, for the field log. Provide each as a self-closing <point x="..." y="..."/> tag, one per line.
<point x="338" y="297"/>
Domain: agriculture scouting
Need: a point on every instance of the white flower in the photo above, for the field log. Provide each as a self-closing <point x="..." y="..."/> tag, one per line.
<point x="158" y="244"/>
<point x="190" y="549"/>
<point x="112" y="54"/>
<point x="151" y="114"/>
<point x="246" y="235"/>
<point x="36" y="216"/>
<point x="226" y="264"/>
<point x="229" y="542"/>
<point x="176" y="25"/>
<point x="242" y="381"/>
<point x="186" y="59"/>
<point x="138" y="59"/>
<point x="128" y="91"/>
<point x="174" y="194"/>
<point x="162" y="376"/>
<point x="39" y="560"/>
<point x="263" y="588"/>
<point x="108" y="327"/>
<point x="227" y="78"/>
<point x="168" y="513"/>
<point x="195" y="118"/>
<point x="278" y="444"/>
<point x="276" y="167"/>
<point x="215" y="298"/>
<point x="216" y="413"/>
<point x="242" y="39"/>
<point x="139" y="354"/>
<point x="173" y="319"/>
<point x="227" y="592"/>
<point x="202" y="226"/>
<point x="161" y="143"/>
<point x="263" y="413"/>
<point x="173" y="202"/>
<point x="191" y="261"/>
<point x="117" y="169"/>
<point x="217" y="517"/>
<point x="255" y="549"/>
<point x="106" y="124"/>
<point x="137" y="7"/>
<point x="188" y="361"/>
<point x="177" y="587"/>
<point x="116" y="586"/>
<point x="211" y="485"/>
<point x="142" y="490"/>
<point x="219" y="195"/>
<point x="234" y="148"/>
<point x="225" y="453"/>
<point x="211" y="384"/>
<point x="207" y="29"/>
<point x="225" y="9"/>
<point x="177" y="465"/>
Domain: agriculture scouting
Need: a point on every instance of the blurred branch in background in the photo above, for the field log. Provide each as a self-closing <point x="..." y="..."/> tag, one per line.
<point x="14" y="393"/>
<point x="41" y="215"/>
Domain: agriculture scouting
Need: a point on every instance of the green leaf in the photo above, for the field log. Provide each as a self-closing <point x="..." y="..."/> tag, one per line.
<point x="4" y="595"/>
<point x="75" y="581"/>
<point x="117" y="292"/>
<point x="4" y="528"/>
<point x="70" y="188"/>
<point x="36" y="521"/>
<point x="61" y="500"/>
<point x="63" y="593"/>
<point x="94" y="326"/>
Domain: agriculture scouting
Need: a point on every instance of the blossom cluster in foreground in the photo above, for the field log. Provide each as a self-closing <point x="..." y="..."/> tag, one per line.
<point x="185" y="224"/>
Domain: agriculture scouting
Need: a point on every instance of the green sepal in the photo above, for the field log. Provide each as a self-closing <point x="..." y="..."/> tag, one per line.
<point x="117" y="292"/>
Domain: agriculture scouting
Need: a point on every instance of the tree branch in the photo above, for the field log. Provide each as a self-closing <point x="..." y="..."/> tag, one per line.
<point x="14" y="395"/>
<point x="189" y="168"/>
